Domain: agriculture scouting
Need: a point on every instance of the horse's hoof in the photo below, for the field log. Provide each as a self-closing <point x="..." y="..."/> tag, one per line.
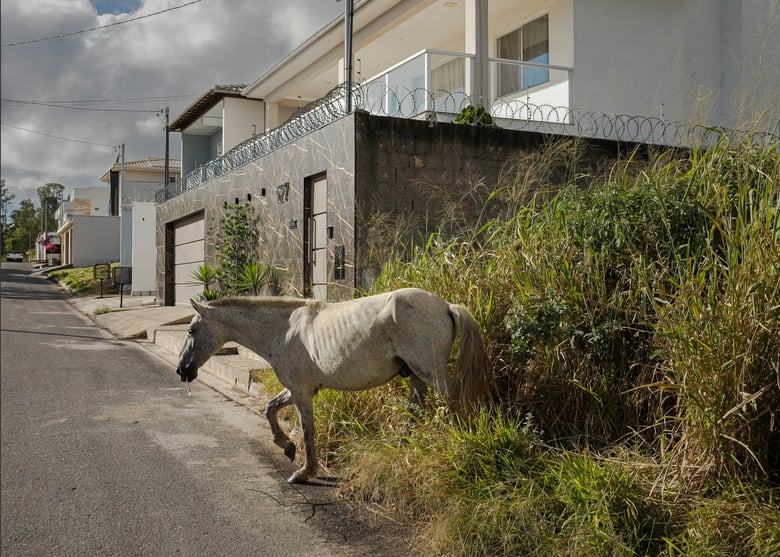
<point x="299" y="477"/>
<point x="289" y="451"/>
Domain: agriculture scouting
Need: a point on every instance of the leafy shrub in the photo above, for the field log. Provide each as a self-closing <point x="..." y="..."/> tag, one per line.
<point x="634" y="312"/>
<point x="254" y="276"/>
<point x="475" y="115"/>
<point x="236" y="244"/>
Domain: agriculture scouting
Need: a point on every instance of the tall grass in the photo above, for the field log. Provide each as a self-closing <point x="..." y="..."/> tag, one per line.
<point x="632" y="315"/>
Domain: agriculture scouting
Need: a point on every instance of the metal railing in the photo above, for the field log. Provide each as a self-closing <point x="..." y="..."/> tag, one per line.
<point x="395" y="93"/>
<point x="428" y="81"/>
<point x="530" y="84"/>
<point x="309" y="118"/>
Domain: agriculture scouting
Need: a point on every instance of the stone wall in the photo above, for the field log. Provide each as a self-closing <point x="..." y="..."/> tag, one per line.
<point x="276" y="186"/>
<point x="411" y="175"/>
<point x="389" y="180"/>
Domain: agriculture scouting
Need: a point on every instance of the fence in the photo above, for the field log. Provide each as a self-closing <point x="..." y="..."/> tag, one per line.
<point x="376" y="97"/>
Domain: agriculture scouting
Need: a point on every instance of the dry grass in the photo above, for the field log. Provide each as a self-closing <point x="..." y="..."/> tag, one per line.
<point x="632" y="318"/>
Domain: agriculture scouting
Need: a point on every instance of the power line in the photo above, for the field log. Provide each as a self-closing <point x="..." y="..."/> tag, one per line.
<point x="57" y="136"/>
<point x="106" y="101"/>
<point x="79" y="107"/>
<point x="30" y="41"/>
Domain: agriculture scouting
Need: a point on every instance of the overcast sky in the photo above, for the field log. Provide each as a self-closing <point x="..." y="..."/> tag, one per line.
<point x="114" y="79"/>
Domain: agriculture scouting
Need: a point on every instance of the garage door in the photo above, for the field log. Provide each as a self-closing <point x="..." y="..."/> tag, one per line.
<point x="188" y="256"/>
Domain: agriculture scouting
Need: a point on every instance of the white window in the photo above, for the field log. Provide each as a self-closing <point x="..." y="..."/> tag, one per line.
<point x="529" y="43"/>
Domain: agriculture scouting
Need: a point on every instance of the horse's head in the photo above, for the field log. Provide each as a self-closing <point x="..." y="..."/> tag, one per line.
<point x="204" y="338"/>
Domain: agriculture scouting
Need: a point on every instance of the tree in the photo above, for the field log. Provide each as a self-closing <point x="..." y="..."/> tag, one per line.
<point x="22" y="231"/>
<point x="236" y="245"/>
<point x="50" y="196"/>
<point x="5" y="198"/>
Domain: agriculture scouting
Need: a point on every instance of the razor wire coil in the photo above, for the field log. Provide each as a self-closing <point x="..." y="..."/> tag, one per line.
<point x="515" y="114"/>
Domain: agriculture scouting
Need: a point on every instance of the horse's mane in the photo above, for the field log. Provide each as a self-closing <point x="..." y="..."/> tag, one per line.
<point x="264" y="301"/>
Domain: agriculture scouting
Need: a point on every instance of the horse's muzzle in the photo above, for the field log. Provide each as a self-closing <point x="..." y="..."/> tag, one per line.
<point x="187" y="375"/>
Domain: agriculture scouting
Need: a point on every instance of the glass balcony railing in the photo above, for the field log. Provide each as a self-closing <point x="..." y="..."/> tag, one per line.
<point x="530" y="91"/>
<point x="429" y="82"/>
<point x="443" y="82"/>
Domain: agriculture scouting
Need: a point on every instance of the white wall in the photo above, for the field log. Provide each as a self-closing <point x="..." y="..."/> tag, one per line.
<point x="133" y="192"/>
<point x="630" y="61"/>
<point x="705" y="61"/>
<point x="95" y="240"/>
<point x="144" y="248"/>
<point x="98" y="198"/>
<point x="238" y="117"/>
<point x="750" y="58"/>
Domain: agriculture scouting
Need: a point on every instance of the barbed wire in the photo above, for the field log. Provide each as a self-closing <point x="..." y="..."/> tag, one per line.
<point x="515" y="114"/>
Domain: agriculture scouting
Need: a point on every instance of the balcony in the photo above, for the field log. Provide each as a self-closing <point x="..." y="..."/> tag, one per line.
<point x="442" y="82"/>
<point x="530" y="91"/>
<point x="438" y="84"/>
<point x="431" y="82"/>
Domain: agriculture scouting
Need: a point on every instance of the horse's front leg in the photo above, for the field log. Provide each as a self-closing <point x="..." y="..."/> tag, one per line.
<point x="305" y="406"/>
<point x="280" y="437"/>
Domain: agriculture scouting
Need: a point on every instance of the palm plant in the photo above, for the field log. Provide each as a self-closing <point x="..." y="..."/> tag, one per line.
<point x="205" y="274"/>
<point x="254" y="276"/>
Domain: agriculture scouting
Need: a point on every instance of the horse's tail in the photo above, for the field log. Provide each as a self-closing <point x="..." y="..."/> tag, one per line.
<point x="472" y="368"/>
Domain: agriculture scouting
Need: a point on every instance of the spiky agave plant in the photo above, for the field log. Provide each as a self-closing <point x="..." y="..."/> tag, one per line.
<point x="205" y="275"/>
<point x="254" y="276"/>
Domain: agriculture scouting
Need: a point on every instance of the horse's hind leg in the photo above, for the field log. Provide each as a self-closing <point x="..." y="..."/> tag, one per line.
<point x="417" y="391"/>
<point x="430" y="372"/>
<point x="280" y="437"/>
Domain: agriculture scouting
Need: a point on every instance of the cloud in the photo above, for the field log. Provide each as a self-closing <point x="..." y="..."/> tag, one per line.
<point x="177" y="55"/>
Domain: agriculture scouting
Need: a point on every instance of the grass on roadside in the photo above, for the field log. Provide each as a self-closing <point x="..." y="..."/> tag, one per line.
<point x="494" y="487"/>
<point x="632" y="318"/>
<point x="80" y="281"/>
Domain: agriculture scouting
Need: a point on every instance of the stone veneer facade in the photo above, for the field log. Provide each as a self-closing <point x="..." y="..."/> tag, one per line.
<point x="374" y="166"/>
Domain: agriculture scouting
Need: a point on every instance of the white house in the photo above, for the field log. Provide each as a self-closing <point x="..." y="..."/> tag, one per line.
<point x="88" y="233"/>
<point x="706" y="62"/>
<point x="710" y="62"/>
<point x="133" y="185"/>
<point x="217" y="121"/>
<point x="666" y="72"/>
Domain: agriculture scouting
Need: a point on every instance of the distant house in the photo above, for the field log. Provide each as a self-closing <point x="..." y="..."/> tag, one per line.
<point x="215" y="122"/>
<point x="132" y="187"/>
<point x="88" y="233"/>
<point x="319" y="159"/>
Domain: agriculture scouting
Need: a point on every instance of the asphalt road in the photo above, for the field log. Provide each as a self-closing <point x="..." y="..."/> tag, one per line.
<point x="103" y="453"/>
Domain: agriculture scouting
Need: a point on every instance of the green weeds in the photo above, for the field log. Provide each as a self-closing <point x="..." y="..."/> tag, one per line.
<point x="81" y="281"/>
<point x="633" y="309"/>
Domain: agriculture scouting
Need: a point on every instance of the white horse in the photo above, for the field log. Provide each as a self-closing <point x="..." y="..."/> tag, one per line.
<point x="349" y="346"/>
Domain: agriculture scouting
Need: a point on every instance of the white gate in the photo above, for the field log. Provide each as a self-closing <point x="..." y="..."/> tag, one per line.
<point x="318" y="238"/>
<point x="189" y="250"/>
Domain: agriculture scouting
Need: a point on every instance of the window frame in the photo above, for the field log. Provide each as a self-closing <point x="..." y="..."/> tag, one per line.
<point x="512" y="79"/>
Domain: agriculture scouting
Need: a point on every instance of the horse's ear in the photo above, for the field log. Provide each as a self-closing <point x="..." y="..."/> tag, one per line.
<point x="199" y="307"/>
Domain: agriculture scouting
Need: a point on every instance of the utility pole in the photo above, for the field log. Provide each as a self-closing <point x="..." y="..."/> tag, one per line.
<point x="348" y="9"/>
<point x="167" y="158"/>
<point x="123" y="258"/>
<point x="121" y="174"/>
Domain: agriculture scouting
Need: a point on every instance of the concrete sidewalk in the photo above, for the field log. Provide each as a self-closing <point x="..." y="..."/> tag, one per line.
<point x="165" y="327"/>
